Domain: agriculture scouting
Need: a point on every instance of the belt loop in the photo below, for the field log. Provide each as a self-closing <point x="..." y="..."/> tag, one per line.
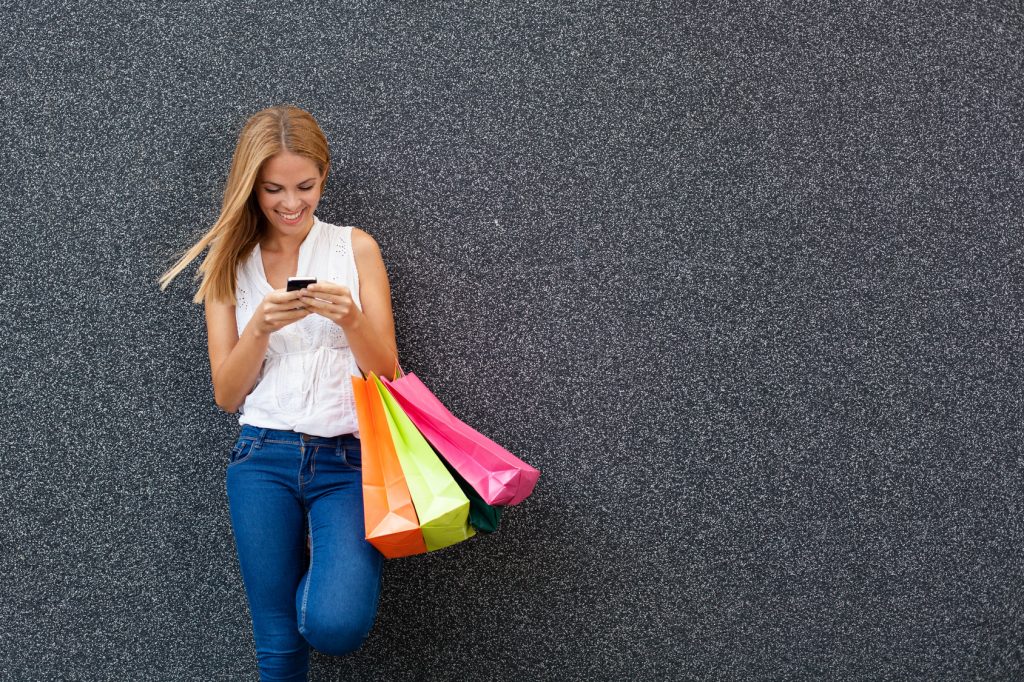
<point x="260" y="438"/>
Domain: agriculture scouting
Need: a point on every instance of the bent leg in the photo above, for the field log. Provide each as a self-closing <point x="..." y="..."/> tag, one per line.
<point x="337" y="598"/>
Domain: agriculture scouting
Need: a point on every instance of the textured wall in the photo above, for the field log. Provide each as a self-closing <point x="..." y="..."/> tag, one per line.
<point x="743" y="281"/>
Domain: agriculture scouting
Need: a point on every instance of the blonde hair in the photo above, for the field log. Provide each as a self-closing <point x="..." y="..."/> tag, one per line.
<point x="241" y="222"/>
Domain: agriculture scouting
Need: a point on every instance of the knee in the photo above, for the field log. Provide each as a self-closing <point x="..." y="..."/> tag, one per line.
<point x="336" y="634"/>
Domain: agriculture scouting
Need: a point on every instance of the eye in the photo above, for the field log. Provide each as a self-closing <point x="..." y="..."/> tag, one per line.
<point x="278" y="189"/>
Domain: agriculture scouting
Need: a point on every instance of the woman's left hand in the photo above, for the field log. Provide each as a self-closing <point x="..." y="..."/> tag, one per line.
<point x="333" y="301"/>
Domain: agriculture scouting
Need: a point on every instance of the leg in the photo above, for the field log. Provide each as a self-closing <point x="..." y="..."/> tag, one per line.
<point x="337" y="598"/>
<point x="269" y="527"/>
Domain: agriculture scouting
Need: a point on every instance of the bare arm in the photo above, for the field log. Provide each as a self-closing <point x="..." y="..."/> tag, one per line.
<point x="372" y="334"/>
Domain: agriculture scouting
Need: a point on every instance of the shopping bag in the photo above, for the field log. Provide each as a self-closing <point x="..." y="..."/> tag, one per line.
<point x="388" y="513"/>
<point x="499" y="476"/>
<point x="442" y="507"/>
<point x="482" y="516"/>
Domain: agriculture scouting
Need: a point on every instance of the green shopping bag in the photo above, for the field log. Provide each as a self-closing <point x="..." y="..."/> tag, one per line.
<point x="442" y="507"/>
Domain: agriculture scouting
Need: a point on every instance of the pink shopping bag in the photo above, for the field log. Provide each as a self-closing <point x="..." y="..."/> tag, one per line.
<point x="495" y="473"/>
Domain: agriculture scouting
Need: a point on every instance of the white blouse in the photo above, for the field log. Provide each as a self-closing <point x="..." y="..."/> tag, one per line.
<point x="304" y="384"/>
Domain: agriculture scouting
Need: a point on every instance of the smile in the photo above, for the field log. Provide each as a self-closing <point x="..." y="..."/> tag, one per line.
<point x="291" y="217"/>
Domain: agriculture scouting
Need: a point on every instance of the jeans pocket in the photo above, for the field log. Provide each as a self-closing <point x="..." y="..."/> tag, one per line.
<point x="352" y="457"/>
<point x="241" y="451"/>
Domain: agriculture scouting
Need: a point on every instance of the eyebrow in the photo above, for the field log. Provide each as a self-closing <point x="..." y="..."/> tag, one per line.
<point x="277" y="184"/>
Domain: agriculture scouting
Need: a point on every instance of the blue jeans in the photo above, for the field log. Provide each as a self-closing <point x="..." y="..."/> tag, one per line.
<point x="279" y="483"/>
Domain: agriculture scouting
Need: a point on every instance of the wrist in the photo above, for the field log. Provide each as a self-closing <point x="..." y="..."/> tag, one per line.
<point x="254" y="330"/>
<point x="354" y="322"/>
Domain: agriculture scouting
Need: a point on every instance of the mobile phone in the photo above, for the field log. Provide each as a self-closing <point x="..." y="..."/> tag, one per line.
<point x="296" y="283"/>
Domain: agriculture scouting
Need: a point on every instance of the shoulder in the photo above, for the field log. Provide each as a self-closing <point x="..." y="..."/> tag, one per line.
<point x="363" y="247"/>
<point x="363" y="243"/>
<point x="369" y="261"/>
<point x="363" y="240"/>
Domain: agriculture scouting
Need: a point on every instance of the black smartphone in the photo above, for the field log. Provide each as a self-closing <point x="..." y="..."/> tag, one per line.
<point x="296" y="283"/>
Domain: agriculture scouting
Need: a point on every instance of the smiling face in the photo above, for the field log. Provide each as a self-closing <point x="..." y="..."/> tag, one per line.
<point x="288" y="190"/>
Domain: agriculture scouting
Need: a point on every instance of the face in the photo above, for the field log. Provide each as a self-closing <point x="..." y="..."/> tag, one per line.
<point x="288" y="189"/>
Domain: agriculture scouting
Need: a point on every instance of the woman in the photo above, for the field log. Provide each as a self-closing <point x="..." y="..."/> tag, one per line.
<point x="283" y="360"/>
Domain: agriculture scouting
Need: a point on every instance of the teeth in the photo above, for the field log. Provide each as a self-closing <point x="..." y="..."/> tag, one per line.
<point x="291" y="216"/>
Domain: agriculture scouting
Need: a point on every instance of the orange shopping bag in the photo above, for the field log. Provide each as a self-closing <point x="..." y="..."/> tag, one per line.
<point x="390" y="518"/>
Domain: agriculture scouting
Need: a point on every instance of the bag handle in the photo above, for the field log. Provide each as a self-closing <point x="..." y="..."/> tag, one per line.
<point x="399" y="372"/>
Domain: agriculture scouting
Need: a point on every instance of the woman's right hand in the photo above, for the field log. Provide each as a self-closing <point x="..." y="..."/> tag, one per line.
<point x="278" y="309"/>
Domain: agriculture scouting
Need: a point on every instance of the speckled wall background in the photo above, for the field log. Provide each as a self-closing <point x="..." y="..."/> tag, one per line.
<point x="743" y="280"/>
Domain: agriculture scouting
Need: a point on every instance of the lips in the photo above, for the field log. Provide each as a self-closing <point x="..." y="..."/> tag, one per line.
<point x="291" y="217"/>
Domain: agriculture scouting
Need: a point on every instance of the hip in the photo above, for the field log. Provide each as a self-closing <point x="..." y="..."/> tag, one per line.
<point x="290" y="448"/>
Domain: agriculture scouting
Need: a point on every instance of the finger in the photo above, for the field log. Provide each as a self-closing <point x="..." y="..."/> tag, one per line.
<point x="287" y="304"/>
<point x="327" y="308"/>
<point x="285" y="296"/>
<point x="286" y="311"/>
<point x="317" y="304"/>
<point x="286" y="315"/>
<point x="325" y="296"/>
<point x="328" y="288"/>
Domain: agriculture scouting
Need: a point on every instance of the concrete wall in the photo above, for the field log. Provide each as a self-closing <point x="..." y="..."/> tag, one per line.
<point x="742" y="280"/>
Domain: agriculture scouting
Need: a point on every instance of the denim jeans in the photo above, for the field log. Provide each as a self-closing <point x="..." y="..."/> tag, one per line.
<point x="279" y="483"/>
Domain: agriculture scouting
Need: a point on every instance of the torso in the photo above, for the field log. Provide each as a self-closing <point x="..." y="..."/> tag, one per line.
<point x="304" y="384"/>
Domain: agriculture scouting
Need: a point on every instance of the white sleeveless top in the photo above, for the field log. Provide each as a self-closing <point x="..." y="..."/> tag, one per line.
<point x="304" y="384"/>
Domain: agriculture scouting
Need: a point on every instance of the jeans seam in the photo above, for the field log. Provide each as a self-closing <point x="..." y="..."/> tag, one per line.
<point x="309" y="578"/>
<point x="232" y="461"/>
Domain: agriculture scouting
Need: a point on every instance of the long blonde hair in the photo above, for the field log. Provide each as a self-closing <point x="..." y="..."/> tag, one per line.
<point x="241" y="222"/>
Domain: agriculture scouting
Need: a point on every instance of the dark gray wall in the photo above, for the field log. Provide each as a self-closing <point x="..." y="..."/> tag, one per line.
<point x="743" y="281"/>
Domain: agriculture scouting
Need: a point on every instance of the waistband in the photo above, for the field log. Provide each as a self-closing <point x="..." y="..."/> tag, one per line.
<point x="261" y="435"/>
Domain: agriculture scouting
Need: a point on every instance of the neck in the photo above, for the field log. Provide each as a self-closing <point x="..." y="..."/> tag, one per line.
<point x="275" y="240"/>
